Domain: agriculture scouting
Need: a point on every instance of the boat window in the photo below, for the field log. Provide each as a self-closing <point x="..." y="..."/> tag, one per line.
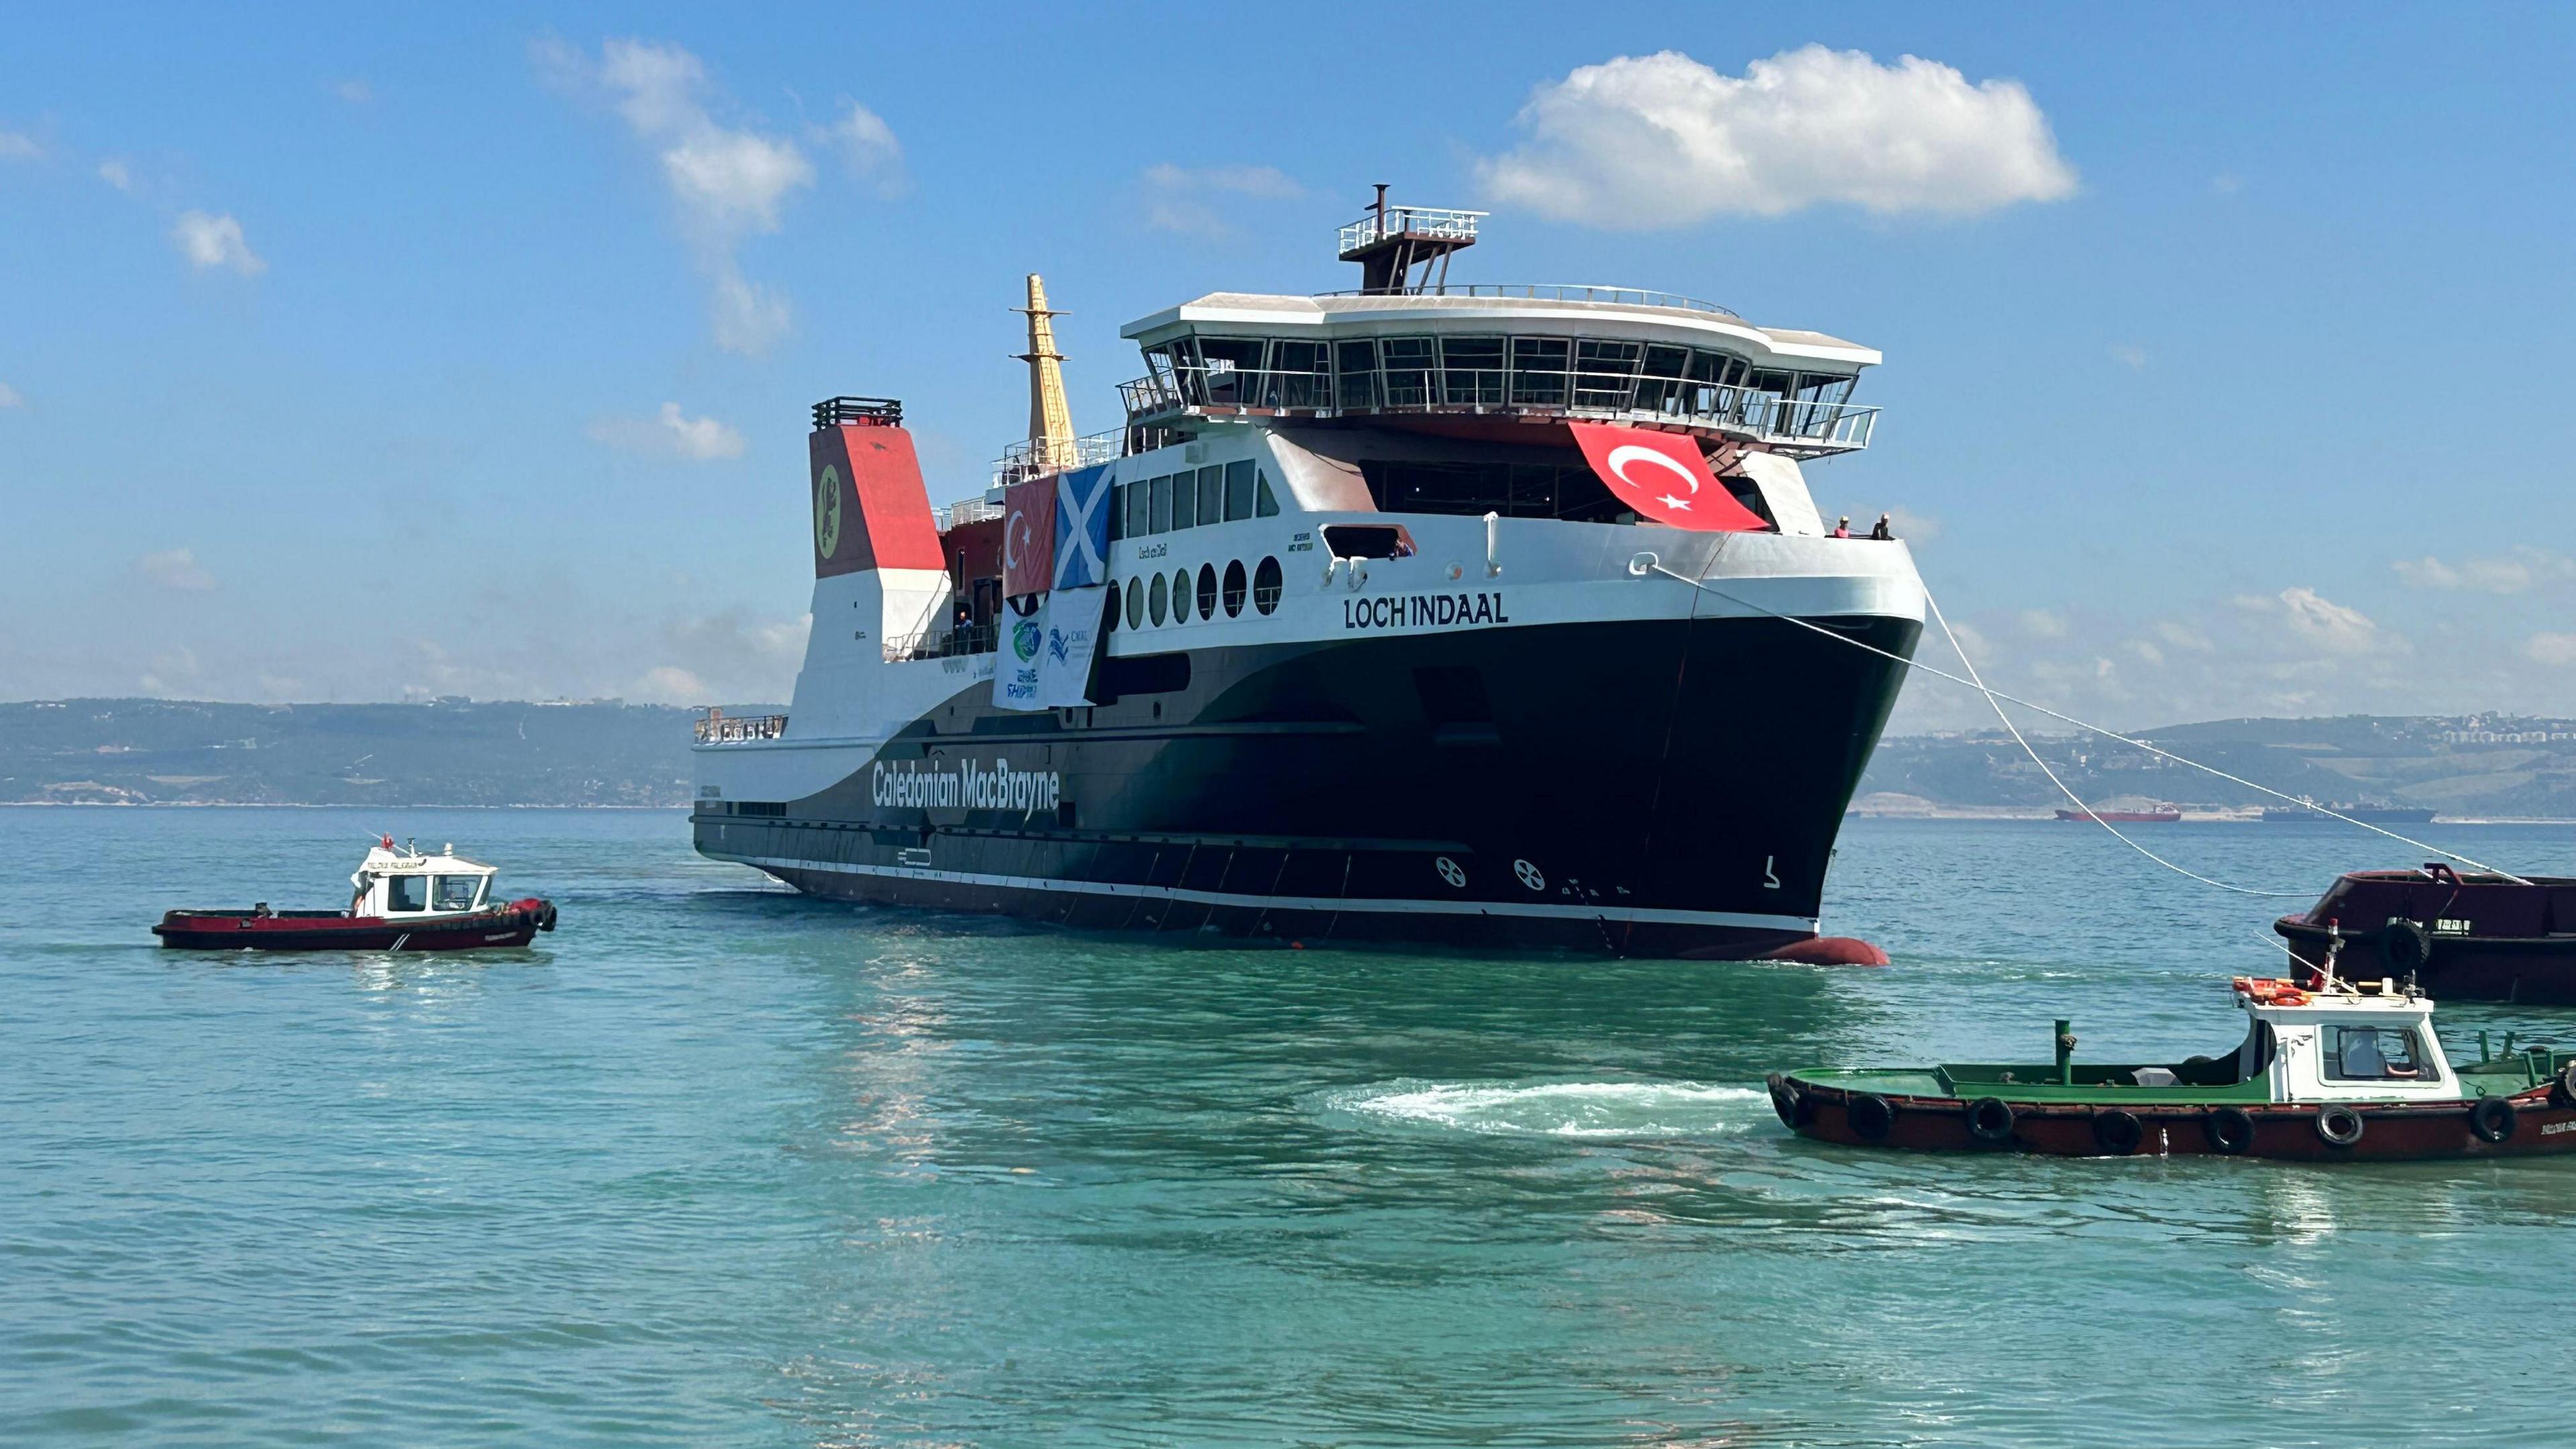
<point x="1471" y="371"/>
<point x="1538" y="370"/>
<point x="456" y="892"/>
<point x="1568" y="490"/>
<point x="1135" y="603"/>
<point x="1238" y="490"/>
<point x="1233" y="368"/>
<point x="1266" y="504"/>
<point x="1159" y="599"/>
<point x="1140" y="501"/>
<point x="1207" y="591"/>
<point x="1211" y="495"/>
<point x="1408" y="371"/>
<point x="1185" y="501"/>
<point x="2376" y="1054"/>
<point x="406" y="893"/>
<point x="2255" y="1057"/>
<point x="1368" y="540"/>
<point x="1300" y="376"/>
<point x="1604" y="373"/>
<point x="1160" y="519"/>
<point x="1234" y="589"/>
<point x="1117" y="512"/>
<point x="1356" y="361"/>
<point x="1180" y="596"/>
<point x="1266" y="581"/>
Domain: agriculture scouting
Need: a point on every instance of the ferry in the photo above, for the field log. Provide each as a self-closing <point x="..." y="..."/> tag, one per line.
<point x="1487" y="615"/>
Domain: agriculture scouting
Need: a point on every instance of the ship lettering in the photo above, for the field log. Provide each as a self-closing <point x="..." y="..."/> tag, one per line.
<point x="1423" y="611"/>
<point x="973" y="785"/>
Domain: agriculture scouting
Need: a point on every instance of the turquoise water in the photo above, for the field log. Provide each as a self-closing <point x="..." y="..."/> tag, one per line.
<point x="720" y="1165"/>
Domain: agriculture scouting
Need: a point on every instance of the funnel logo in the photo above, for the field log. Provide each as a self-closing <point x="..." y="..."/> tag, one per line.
<point x="1024" y="639"/>
<point x="827" y="512"/>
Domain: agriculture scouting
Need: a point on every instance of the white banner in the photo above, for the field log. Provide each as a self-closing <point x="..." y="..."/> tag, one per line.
<point x="1069" y="635"/>
<point x="1015" y="660"/>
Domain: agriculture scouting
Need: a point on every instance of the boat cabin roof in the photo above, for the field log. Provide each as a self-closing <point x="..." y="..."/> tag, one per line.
<point x="1606" y="311"/>
<point x="384" y="858"/>
<point x="2287" y="1002"/>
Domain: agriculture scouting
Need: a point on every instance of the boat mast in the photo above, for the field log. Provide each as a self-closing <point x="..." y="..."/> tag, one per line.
<point x="1050" y="416"/>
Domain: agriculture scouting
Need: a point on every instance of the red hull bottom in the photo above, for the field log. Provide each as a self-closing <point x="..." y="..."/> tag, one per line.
<point x="2542" y="1123"/>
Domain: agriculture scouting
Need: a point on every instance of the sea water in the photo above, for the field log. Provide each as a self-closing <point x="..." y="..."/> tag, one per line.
<point x="717" y="1164"/>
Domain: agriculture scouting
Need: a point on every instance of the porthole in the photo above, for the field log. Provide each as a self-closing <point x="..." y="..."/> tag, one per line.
<point x="1265" y="585"/>
<point x="1180" y="596"/>
<point x="1157" y="600"/>
<point x="1135" y="603"/>
<point x="1234" y="588"/>
<point x="1207" y="591"/>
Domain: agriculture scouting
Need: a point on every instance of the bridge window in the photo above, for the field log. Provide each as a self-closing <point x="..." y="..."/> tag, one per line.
<point x="1604" y="373"/>
<point x="1539" y="370"/>
<point x="1238" y="490"/>
<point x="1300" y="376"/>
<point x="1409" y="361"/>
<point x="1356" y="363"/>
<point x="1471" y="371"/>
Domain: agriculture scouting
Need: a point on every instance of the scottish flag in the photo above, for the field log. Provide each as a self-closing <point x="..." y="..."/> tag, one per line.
<point x="1082" y="501"/>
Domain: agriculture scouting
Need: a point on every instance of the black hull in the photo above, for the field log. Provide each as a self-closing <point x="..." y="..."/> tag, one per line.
<point x="2534" y="970"/>
<point x="1667" y="788"/>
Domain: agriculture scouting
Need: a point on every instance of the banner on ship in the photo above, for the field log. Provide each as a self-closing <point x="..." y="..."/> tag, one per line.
<point x="1082" y="503"/>
<point x="1028" y="538"/>
<point x="1663" y="477"/>
<point x="1046" y="658"/>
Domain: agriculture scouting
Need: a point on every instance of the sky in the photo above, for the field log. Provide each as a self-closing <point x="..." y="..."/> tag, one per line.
<point x="376" y="354"/>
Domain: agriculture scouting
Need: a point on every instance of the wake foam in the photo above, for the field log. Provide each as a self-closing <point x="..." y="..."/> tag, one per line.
<point x="1561" y="1109"/>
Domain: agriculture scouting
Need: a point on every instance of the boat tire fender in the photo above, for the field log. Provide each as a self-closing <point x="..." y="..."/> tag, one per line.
<point x="1795" y="1107"/>
<point x="2118" y="1133"/>
<point x="2567" y="1086"/>
<point x="2231" y="1130"/>
<point x="2340" y="1126"/>
<point x="2404" y="947"/>
<point x="1990" y="1120"/>
<point x="1872" y="1116"/>
<point x="546" y="916"/>
<point x="2492" y="1119"/>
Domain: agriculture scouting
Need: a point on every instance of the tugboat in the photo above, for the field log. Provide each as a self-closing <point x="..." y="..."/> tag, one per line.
<point x="402" y="900"/>
<point x="2340" y="1071"/>
<point x="2475" y="937"/>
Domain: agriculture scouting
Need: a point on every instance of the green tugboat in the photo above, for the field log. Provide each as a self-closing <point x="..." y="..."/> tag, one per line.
<point x="2329" y="1070"/>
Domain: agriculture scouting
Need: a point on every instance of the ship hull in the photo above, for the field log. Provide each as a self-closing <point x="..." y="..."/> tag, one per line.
<point x="1655" y="788"/>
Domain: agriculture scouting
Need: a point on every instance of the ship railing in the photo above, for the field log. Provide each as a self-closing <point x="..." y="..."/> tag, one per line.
<point x="964" y="511"/>
<point x="715" y="727"/>
<point x="1552" y="292"/>
<point x="1793" y="425"/>
<point x="1444" y="223"/>
<point x="880" y="412"/>
<point x="1042" y="458"/>
<point x="951" y="643"/>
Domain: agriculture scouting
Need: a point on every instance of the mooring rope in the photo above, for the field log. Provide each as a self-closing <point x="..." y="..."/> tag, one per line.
<point x="1992" y="695"/>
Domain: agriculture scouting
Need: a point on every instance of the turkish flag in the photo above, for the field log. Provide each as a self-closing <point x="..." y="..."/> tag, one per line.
<point x="1663" y="477"/>
<point x="1028" y="538"/>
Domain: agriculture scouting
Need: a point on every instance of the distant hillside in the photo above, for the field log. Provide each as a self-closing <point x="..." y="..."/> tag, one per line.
<point x="2478" y="765"/>
<point x="452" y="752"/>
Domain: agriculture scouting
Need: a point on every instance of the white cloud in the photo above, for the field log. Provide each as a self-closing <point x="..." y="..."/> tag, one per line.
<point x="2183" y="636"/>
<point x="9" y="398"/>
<point x="2130" y="356"/>
<point x="176" y="568"/>
<point x="2557" y="649"/>
<point x="2043" y="623"/>
<point x="1181" y="199"/>
<point x="670" y="433"/>
<point x="667" y="684"/>
<point x="1641" y="142"/>
<point x="2518" y="571"/>
<point x="2227" y="183"/>
<point x="215" y="241"/>
<point x="355" y="92"/>
<point x="17" y="147"/>
<point x="173" y="670"/>
<point x="2323" y="622"/>
<point x="729" y="183"/>
<point x="867" y="146"/>
<point x="114" y="173"/>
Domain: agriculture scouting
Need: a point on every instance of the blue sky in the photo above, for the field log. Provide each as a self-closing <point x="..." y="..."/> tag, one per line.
<point x="358" y="358"/>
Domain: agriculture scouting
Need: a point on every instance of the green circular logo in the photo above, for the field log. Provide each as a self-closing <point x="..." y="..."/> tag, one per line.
<point x="827" y="511"/>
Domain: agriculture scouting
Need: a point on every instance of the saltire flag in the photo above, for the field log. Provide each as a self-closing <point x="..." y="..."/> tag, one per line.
<point x="1082" y="503"/>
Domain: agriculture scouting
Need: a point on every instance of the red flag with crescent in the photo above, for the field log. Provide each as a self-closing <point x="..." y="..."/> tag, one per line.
<point x="1028" y="538"/>
<point x="1663" y="477"/>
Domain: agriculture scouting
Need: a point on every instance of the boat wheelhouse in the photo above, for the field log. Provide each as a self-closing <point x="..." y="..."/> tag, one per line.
<point x="2475" y="935"/>
<point x="1432" y="611"/>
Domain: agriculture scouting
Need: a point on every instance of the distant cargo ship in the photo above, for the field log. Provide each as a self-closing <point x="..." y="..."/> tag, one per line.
<point x="2157" y="815"/>
<point x="2367" y="814"/>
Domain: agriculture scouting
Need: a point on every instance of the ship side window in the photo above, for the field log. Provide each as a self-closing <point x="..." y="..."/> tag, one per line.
<point x="1180" y="596"/>
<point x="1185" y="501"/>
<point x="1140" y="503"/>
<point x="1266" y="581"/>
<point x="1471" y="371"/>
<point x="1207" y="591"/>
<point x="1356" y="362"/>
<point x="1211" y="495"/>
<point x="1159" y="520"/>
<point x="406" y="893"/>
<point x="1264" y="503"/>
<point x="1238" y="490"/>
<point x="1118" y="513"/>
<point x="1234" y="589"/>
<point x="2375" y="1054"/>
<point x="1409" y="361"/>
<point x="1159" y="599"/>
<point x="1135" y="603"/>
<point x="456" y="892"/>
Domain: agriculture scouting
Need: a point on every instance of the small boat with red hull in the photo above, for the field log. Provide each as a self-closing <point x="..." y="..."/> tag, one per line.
<point x="2142" y="815"/>
<point x="2336" y="1072"/>
<point x="2476" y="937"/>
<point x="401" y="900"/>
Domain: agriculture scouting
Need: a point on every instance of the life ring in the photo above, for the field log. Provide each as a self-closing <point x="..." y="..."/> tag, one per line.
<point x="2340" y="1126"/>
<point x="2231" y="1130"/>
<point x="2492" y="1119"/>
<point x="1786" y="1100"/>
<point x="1990" y="1120"/>
<point x="2404" y="947"/>
<point x="1872" y="1116"/>
<point x="2118" y="1133"/>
